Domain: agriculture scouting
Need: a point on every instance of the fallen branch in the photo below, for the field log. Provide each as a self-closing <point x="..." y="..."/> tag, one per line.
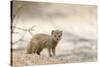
<point x="27" y="30"/>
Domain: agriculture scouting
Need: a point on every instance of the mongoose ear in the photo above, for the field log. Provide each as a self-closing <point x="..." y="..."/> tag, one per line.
<point x="52" y="32"/>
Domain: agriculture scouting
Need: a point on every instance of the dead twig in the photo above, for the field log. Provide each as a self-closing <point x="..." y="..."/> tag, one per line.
<point x="26" y="30"/>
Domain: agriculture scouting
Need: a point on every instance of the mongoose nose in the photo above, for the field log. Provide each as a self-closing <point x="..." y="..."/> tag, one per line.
<point x="57" y="39"/>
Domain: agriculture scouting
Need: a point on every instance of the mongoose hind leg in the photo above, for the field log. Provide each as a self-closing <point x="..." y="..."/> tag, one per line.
<point x="34" y="50"/>
<point x="39" y="50"/>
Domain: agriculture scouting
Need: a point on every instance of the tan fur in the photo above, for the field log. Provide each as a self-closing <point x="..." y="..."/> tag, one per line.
<point x="41" y="41"/>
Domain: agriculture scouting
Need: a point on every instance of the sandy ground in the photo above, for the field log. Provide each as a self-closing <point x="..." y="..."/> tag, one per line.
<point x="20" y="58"/>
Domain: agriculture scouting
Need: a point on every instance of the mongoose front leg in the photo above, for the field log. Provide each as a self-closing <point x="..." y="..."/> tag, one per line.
<point x="49" y="51"/>
<point x="53" y="51"/>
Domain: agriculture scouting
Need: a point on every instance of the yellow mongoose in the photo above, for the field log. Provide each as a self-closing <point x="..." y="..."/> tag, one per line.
<point x="41" y="41"/>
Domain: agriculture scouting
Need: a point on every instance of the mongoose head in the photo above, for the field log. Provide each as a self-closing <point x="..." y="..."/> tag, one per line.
<point x="56" y="35"/>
